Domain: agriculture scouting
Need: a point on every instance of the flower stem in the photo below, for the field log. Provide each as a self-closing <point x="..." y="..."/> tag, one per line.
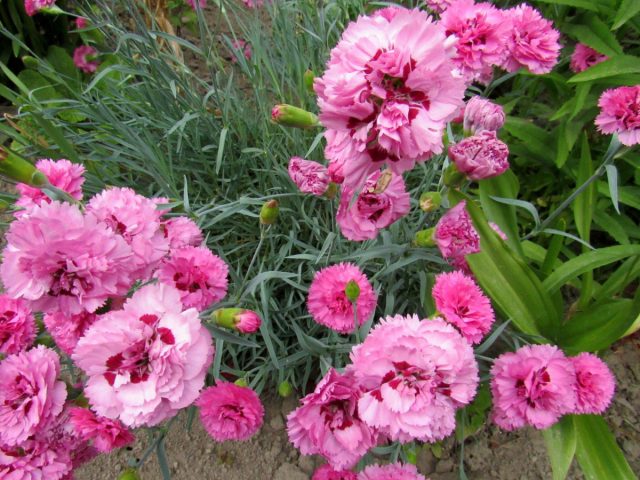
<point x="355" y="321"/>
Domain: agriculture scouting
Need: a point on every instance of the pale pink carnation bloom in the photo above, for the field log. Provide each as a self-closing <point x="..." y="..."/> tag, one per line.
<point x="17" y="325"/>
<point x="81" y="23"/>
<point x="35" y="460"/>
<point x="31" y="395"/>
<point x="394" y="471"/>
<point x="241" y="46"/>
<point x="147" y="361"/>
<point x="376" y="207"/>
<point x="480" y="156"/>
<point x="199" y="275"/>
<point x="416" y="374"/>
<point x="81" y="58"/>
<point x="456" y="237"/>
<point x="533" y="386"/>
<point x="106" y="434"/>
<point x="182" y="232"/>
<point x="62" y="174"/>
<point x="482" y="114"/>
<point x="532" y="43"/>
<point x="309" y="177"/>
<point x="461" y="302"/>
<point x="136" y="219"/>
<point x="387" y="93"/>
<point x="595" y="384"/>
<point x="326" y="472"/>
<point x="388" y="13"/>
<point x="34" y="6"/>
<point x="230" y="412"/>
<point x="66" y="330"/>
<point x="328" y="304"/>
<point x="63" y="260"/>
<point x="327" y="422"/>
<point x="481" y="31"/>
<point x="620" y="113"/>
<point x="584" y="57"/>
<point x="248" y="322"/>
<point x="439" y="6"/>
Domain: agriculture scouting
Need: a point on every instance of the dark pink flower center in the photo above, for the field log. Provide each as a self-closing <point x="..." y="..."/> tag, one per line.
<point x="532" y="389"/>
<point x="409" y="377"/>
<point x="337" y="414"/>
<point x="65" y="282"/>
<point x="20" y="395"/>
<point x="6" y="327"/>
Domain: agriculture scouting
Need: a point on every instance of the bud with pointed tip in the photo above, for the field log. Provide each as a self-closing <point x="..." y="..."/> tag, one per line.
<point x="290" y="116"/>
<point x="130" y="474"/>
<point x="285" y="389"/>
<point x="241" y="382"/>
<point x="352" y="290"/>
<point x="238" y="319"/>
<point x="269" y="212"/>
<point x="331" y="191"/>
<point x="308" y="78"/>
<point x="430" y="201"/>
<point x="17" y="168"/>
<point x="424" y="238"/>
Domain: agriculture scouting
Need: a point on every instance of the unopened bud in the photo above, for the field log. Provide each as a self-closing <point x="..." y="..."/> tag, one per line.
<point x="453" y="177"/>
<point x="332" y="191"/>
<point x="241" y="382"/>
<point x="30" y="62"/>
<point x="238" y="319"/>
<point x="130" y="474"/>
<point x="424" y="238"/>
<point x="269" y="212"/>
<point x="352" y="290"/>
<point x="290" y="116"/>
<point x="285" y="389"/>
<point x="17" y="168"/>
<point x="308" y="78"/>
<point x="430" y="201"/>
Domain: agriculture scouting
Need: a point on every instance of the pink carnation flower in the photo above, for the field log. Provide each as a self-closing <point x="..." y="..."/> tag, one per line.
<point x="199" y="275"/>
<point x="595" y="384"/>
<point x="456" y="237"/>
<point x="461" y="302"/>
<point x="182" y="232"/>
<point x="532" y="43"/>
<point x="620" y="113"/>
<point x="84" y="58"/>
<point x="105" y="433"/>
<point x="81" y="23"/>
<point x="480" y="30"/>
<point x="230" y="412"/>
<point x="480" y="156"/>
<point x="241" y="47"/>
<point x="416" y="373"/>
<point x="482" y="114"/>
<point x="62" y="174"/>
<point x="31" y="395"/>
<point x="439" y="6"/>
<point x="533" y="386"/>
<point x="310" y="177"/>
<point x="394" y="471"/>
<point x="328" y="303"/>
<point x="17" y="325"/>
<point x="63" y="260"/>
<point x="35" y="460"/>
<point x="147" y="361"/>
<point x="327" y="423"/>
<point x="136" y="219"/>
<point x="34" y="6"/>
<point x="66" y="330"/>
<point x="326" y="472"/>
<point x="584" y="57"/>
<point x="387" y="93"/>
<point x="248" y="322"/>
<point x="382" y="201"/>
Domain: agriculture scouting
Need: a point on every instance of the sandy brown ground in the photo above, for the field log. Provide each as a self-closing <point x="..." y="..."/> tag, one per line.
<point x="490" y="455"/>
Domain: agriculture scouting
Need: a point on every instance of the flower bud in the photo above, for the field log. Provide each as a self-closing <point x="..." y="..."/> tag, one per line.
<point x="430" y="201"/>
<point x="17" y="168"/>
<point x="290" y="116"/>
<point x="352" y="290"/>
<point x="424" y="238"/>
<point x="238" y="319"/>
<point x="308" y="78"/>
<point x="269" y="212"/>
<point x="332" y="191"/>
<point x="482" y="114"/>
<point x="130" y="474"/>
<point x="285" y="389"/>
<point x="452" y="176"/>
<point x="241" y="382"/>
<point x="30" y="62"/>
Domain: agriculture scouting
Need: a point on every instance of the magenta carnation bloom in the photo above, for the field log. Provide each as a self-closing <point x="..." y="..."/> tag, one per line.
<point x="482" y="114"/>
<point x="387" y="93"/>
<point x="17" y="325"/>
<point x="620" y="113"/>
<point x="62" y="174"/>
<point x="326" y="472"/>
<point x="394" y="471"/>
<point x="584" y="57"/>
<point x="327" y="423"/>
<point x="105" y="433"/>
<point x="461" y="302"/>
<point x="35" y="460"/>
<point x="63" y="260"/>
<point x="533" y="386"/>
<point x="199" y="275"/>
<point x="248" y="322"/>
<point x="328" y="304"/>
<point x="382" y="201"/>
<point x="240" y="47"/>
<point x="81" y="23"/>
<point x="416" y="373"/>
<point x="439" y="6"/>
<point x="66" y="330"/>
<point x="532" y="42"/>
<point x="34" y="6"/>
<point x="481" y="31"/>
<point x="136" y="219"/>
<point x="31" y="395"/>
<point x="480" y="156"/>
<point x="230" y="412"/>
<point x="595" y="384"/>
<point x="182" y="232"/>
<point x="147" y="361"/>
<point x="456" y="237"/>
<point x="310" y="177"/>
<point x="84" y="58"/>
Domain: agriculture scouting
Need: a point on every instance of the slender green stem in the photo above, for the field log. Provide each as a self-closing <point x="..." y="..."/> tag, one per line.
<point x="355" y="321"/>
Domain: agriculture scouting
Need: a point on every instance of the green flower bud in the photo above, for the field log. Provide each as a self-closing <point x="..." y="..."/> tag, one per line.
<point x="226" y="317"/>
<point x="453" y="177"/>
<point x="352" y="290"/>
<point x="285" y="389"/>
<point x="30" y="62"/>
<point x="332" y="191"/>
<point x="291" y="116"/>
<point x="424" y="238"/>
<point x="308" y="78"/>
<point x="17" y="168"/>
<point x="241" y="382"/>
<point x="269" y="212"/>
<point x="130" y="474"/>
<point x="430" y="201"/>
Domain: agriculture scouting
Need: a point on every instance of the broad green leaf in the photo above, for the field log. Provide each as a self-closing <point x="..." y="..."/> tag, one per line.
<point x="598" y="453"/>
<point x="627" y="195"/>
<point x="583" y="204"/>
<point x="534" y="138"/>
<point x="585" y="4"/>
<point x="618" y="280"/>
<point x="618" y="65"/>
<point x="612" y="180"/>
<point x="62" y="63"/>
<point x="612" y="226"/>
<point x="628" y="9"/>
<point x="567" y="134"/>
<point x="594" y="33"/>
<point x="586" y="262"/>
<point x="560" y="440"/>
